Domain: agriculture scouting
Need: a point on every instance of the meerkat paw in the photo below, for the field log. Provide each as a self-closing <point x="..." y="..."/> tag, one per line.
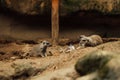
<point x="45" y="55"/>
<point x="42" y="56"/>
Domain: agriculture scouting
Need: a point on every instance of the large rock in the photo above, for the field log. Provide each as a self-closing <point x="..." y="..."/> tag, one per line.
<point x="111" y="71"/>
<point x="66" y="6"/>
<point x="92" y="62"/>
<point x="18" y="71"/>
<point x="99" y="65"/>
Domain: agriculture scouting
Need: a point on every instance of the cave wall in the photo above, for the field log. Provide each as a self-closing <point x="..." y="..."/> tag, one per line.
<point x="30" y="19"/>
<point x="14" y="26"/>
<point x="29" y="27"/>
<point x="88" y="23"/>
<point x="33" y="7"/>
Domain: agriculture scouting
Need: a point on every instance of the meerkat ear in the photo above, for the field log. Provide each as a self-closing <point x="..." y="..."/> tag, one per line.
<point x="81" y="36"/>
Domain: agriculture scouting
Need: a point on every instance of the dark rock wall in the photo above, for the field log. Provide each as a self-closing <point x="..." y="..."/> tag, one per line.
<point x="31" y="19"/>
<point x="33" y="7"/>
<point x="17" y="26"/>
<point x="90" y="23"/>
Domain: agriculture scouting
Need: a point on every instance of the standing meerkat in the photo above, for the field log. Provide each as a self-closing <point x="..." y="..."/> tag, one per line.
<point x="40" y="49"/>
<point x="92" y="40"/>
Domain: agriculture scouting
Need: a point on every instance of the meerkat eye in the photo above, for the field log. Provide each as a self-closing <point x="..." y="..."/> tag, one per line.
<point x="84" y="40"/>
<point x="47" y="43"/>
<point x="43" y="42"/>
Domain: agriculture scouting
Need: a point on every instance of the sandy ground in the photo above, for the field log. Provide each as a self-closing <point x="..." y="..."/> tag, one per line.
<point x="58" y="66"/>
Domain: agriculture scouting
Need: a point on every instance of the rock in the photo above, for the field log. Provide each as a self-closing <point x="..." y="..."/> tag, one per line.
<point x="6" y="72"/>
<point x="4" y="78"/>
<point x="61" y="74"/>
<point x="24" y="71"/>
<point x="33" y="7"/>
<point x="92" y="62"/>
<point x="99" y="65"/>
<point x="91" y="76"/>
<point x="111" y="71"/>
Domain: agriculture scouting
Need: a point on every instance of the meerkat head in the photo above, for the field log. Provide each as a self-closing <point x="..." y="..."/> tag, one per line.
<point x="82" y="36"/>
<point x="45" y="43"/>
<point x="83" y="40"/>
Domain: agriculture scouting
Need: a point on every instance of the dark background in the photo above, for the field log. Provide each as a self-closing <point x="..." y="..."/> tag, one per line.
<point x="19" y="26"/>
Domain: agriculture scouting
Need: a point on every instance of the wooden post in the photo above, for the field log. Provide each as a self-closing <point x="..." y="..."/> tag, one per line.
<point x="55" y="21"/>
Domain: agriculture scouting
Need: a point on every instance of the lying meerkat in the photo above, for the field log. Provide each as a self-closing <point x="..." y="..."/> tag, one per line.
<point x="92" y="40"/>
<point x="40" y="49"/>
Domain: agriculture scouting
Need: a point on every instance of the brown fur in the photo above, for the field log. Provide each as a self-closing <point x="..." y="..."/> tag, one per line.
<point x="92" y="40"/>
<point x="96" y="40"/>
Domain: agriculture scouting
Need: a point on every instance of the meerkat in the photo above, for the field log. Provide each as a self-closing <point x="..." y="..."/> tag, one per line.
<point x="40" y="49"/>
<point x="92" y="40"/>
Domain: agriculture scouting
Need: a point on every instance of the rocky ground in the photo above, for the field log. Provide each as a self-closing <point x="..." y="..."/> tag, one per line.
<point x="56" y="66"/>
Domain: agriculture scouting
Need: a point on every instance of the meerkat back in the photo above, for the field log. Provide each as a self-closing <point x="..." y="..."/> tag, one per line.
<point x="96" y="39"/>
